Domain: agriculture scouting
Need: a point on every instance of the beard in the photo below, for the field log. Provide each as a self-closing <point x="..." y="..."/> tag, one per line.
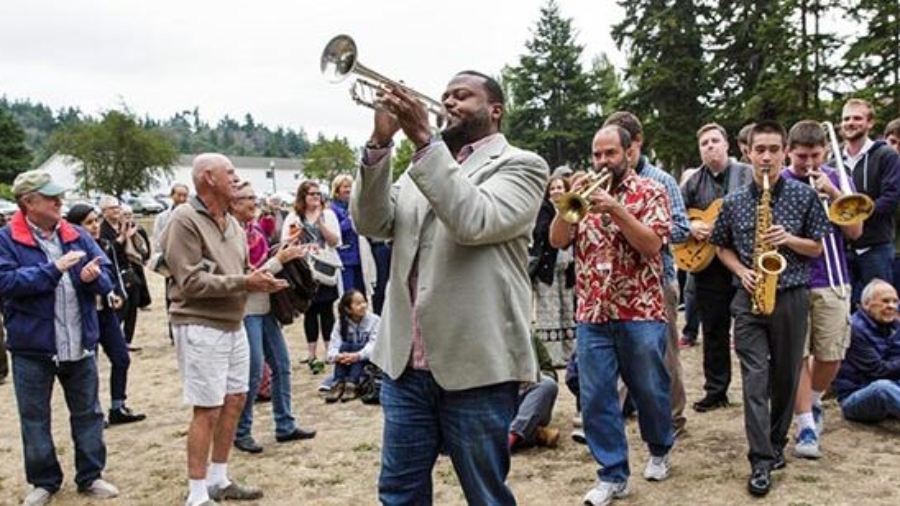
<point x="853" y="136"/>
<point x="467" y="130"/>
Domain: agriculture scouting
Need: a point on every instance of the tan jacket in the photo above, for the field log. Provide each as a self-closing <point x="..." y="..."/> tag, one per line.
<point x="208" y="268"/>
<point x="469" y="226"/>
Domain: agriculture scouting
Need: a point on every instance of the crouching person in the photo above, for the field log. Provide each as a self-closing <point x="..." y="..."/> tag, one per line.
<point x="531" y="426"/>
<point x="351" y="345"/>
<point x="868" y="384"/>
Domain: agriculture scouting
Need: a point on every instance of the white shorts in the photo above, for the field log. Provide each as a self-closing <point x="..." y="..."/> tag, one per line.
<point x="213" y="363"/>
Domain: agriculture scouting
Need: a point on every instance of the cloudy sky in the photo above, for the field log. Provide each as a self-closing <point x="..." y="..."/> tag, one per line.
<point x="262" y="57"/>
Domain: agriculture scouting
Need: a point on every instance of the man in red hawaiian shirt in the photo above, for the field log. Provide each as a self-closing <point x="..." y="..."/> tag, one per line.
<point x="621" y="314"/>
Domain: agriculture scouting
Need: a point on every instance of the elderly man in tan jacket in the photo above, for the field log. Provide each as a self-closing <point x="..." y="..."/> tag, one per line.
<point x="454" y="339"/>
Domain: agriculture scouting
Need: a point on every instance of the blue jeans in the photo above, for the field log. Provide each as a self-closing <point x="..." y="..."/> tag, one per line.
<point x="351" y="372"/>
<point x="421" y="419"/>
<point x="267" y="342"/>
<point x="635" y="350"/>
<point x="876" y="263"/>
<point x="33" y="379"/>
<point x="874" y="403"/>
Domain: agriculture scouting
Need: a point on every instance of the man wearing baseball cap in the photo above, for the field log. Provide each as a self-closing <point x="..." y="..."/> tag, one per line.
<point x="50" y="275"/>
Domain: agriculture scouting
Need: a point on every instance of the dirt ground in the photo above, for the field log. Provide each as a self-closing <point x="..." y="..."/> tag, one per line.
<point x="340" y="466"/>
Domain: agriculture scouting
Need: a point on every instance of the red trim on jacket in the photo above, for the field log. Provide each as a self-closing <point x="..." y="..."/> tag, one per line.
<point x="21" y="232"/>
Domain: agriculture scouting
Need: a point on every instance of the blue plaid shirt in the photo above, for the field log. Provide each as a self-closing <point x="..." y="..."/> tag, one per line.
<point x="681" y="228"/>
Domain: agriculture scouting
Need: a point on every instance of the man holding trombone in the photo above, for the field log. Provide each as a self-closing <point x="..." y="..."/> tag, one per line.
<point x="829" y="285"/>
<point x="621" y="311"/>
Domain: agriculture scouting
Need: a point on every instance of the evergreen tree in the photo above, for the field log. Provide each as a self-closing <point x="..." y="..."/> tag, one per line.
<point x="14" y="155"/>
<point x="873" y="59"/>
<point x="553" y="106"/>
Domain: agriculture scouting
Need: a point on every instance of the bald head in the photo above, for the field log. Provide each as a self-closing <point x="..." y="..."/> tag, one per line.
<point x="207" y="162"/>
<point x="215" y="180"/>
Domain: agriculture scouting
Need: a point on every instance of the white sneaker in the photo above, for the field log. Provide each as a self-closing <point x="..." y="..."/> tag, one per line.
<point x="807" y="446"/>
<point x="101" y="489"/>
<point x="657" y="468"/>
<point x="38" y="497"/>
<point x="578" y="436"/>
<point x="605" y="492"/>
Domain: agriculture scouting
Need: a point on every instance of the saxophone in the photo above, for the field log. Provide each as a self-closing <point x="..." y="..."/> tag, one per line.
<point x="767" y="262"/>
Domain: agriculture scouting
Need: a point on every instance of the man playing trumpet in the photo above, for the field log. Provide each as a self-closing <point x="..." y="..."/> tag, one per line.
<point x="621" y="314"/>
<point x="769" y="334"/>
<point x="829" y="288"/>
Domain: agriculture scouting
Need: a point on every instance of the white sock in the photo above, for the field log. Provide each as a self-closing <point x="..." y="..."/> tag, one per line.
<point x="217" y="475"/>
<point x="805" y="421"/>
<point x="816" y="398"/>
<point x="198" y="492"/>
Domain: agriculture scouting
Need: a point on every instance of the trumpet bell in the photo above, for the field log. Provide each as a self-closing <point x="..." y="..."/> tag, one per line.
<point x="851" y="209"/>
<point x="572" y="207"/>
<point x="338" y="58"/>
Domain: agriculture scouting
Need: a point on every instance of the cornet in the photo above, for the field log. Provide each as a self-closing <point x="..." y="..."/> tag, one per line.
<point x="574" y="206"/>
<point x="850" y="208"/>
<point x="339" y="60"/>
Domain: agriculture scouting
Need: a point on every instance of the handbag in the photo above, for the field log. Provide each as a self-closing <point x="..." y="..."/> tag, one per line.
<point x="325" y="265"/>
<point x="290" y="303"/>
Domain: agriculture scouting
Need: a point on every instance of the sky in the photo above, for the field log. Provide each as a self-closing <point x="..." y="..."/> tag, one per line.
<point x="262" y="57"/>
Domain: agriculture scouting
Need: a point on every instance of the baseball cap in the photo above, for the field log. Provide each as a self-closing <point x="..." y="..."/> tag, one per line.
<point x="36" y="181"/>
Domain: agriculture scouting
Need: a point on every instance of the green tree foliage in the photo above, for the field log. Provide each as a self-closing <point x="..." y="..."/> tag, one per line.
<point x="116" y="153"/>
<point x="328" y="158"/>
<point x="666" y="74"/>
<point x="553" y="107"/>
<point x="15" y="157"/>
<point x="402" y="157"/>
<point x="872" y="61"/>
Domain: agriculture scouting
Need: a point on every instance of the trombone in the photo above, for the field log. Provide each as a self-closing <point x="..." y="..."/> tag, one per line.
<point x="850" y="208"/>
<point x="339" y="60"/>
<point x="835" y="273"/>
<point x="574" y="205"/>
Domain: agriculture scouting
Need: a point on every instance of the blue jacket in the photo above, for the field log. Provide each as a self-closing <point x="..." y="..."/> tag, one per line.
<point x="874" y="354"/>
<point x="28" y="283"/>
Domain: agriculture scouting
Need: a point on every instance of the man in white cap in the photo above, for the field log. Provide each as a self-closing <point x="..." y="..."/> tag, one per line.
<point x="50" y="276"/>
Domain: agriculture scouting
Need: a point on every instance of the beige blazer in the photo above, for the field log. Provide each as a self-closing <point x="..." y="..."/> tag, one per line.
<point x="470" y="226"/>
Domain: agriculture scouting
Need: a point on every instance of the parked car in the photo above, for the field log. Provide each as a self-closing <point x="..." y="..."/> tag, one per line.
<point x="144" y="205"/>
<point x="7" y="208"/>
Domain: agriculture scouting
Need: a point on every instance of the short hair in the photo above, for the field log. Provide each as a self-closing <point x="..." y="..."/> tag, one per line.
<point x="624" y="136"/>
<point x="244" y="185"/>
<point x="893" y="128"/>
<point x="176" y="186"/>
<point x="743" y="136"/>
<point x="127" y="209"/>
<point x="339" y="181"/>
<point x="807" y="133"/>
<point x="109" y="201"/>
<point x="861" y="103"/>
<point x="767" y="127"/>
<point x="869" y="291"/>
<point x="712" y="126"/>
<point x="628" y="121"/>
<point x="491" y="86"/>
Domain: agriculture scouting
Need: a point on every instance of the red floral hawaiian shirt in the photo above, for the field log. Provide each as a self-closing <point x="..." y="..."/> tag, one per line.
<point x="614" y="281"/>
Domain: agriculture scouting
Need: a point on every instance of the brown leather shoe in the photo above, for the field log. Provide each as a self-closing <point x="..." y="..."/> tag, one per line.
<point x="337" y="391"/>
<point x="350" y="392"/>
<point x="547" y="436"/>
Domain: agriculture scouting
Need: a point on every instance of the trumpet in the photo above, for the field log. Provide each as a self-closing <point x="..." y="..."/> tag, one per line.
<point x="339" y="60"/>
<point x="574" y="205"/>
<point x="850" y="208"/>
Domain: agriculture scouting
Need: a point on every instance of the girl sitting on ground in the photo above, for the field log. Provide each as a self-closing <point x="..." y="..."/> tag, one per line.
<point x="351" y="345"/>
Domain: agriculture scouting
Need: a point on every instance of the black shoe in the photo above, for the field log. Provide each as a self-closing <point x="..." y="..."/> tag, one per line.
<point x="760" y="481"/>
<point x="779" y="462"/>
<point x="248" y="444"/>
<point x="124" y="415"/>
<point x="296" y="435"/>
<point x="711" y="402"/>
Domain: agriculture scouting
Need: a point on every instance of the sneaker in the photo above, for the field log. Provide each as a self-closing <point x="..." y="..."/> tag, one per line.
<point x="711" y="402"/>
<point x="38" y="497"/>
<point x="316" y="365"/>
<point x="234" y="492"/>
<point x="779" y="463"/>
<point x="818" y="413"/>
<point x="579" y="437"/>
<point x="657" y="468"/>
<point x="101" y="489"/>
<point x="208" y="502"/>
<point x="248" y="444"/>
<point x="807" y="446"/>
<point x="605" y="492"/>
<point x="760" y="481"/>
<point x="350" y="392"/>
<point x="124" y="415"/>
